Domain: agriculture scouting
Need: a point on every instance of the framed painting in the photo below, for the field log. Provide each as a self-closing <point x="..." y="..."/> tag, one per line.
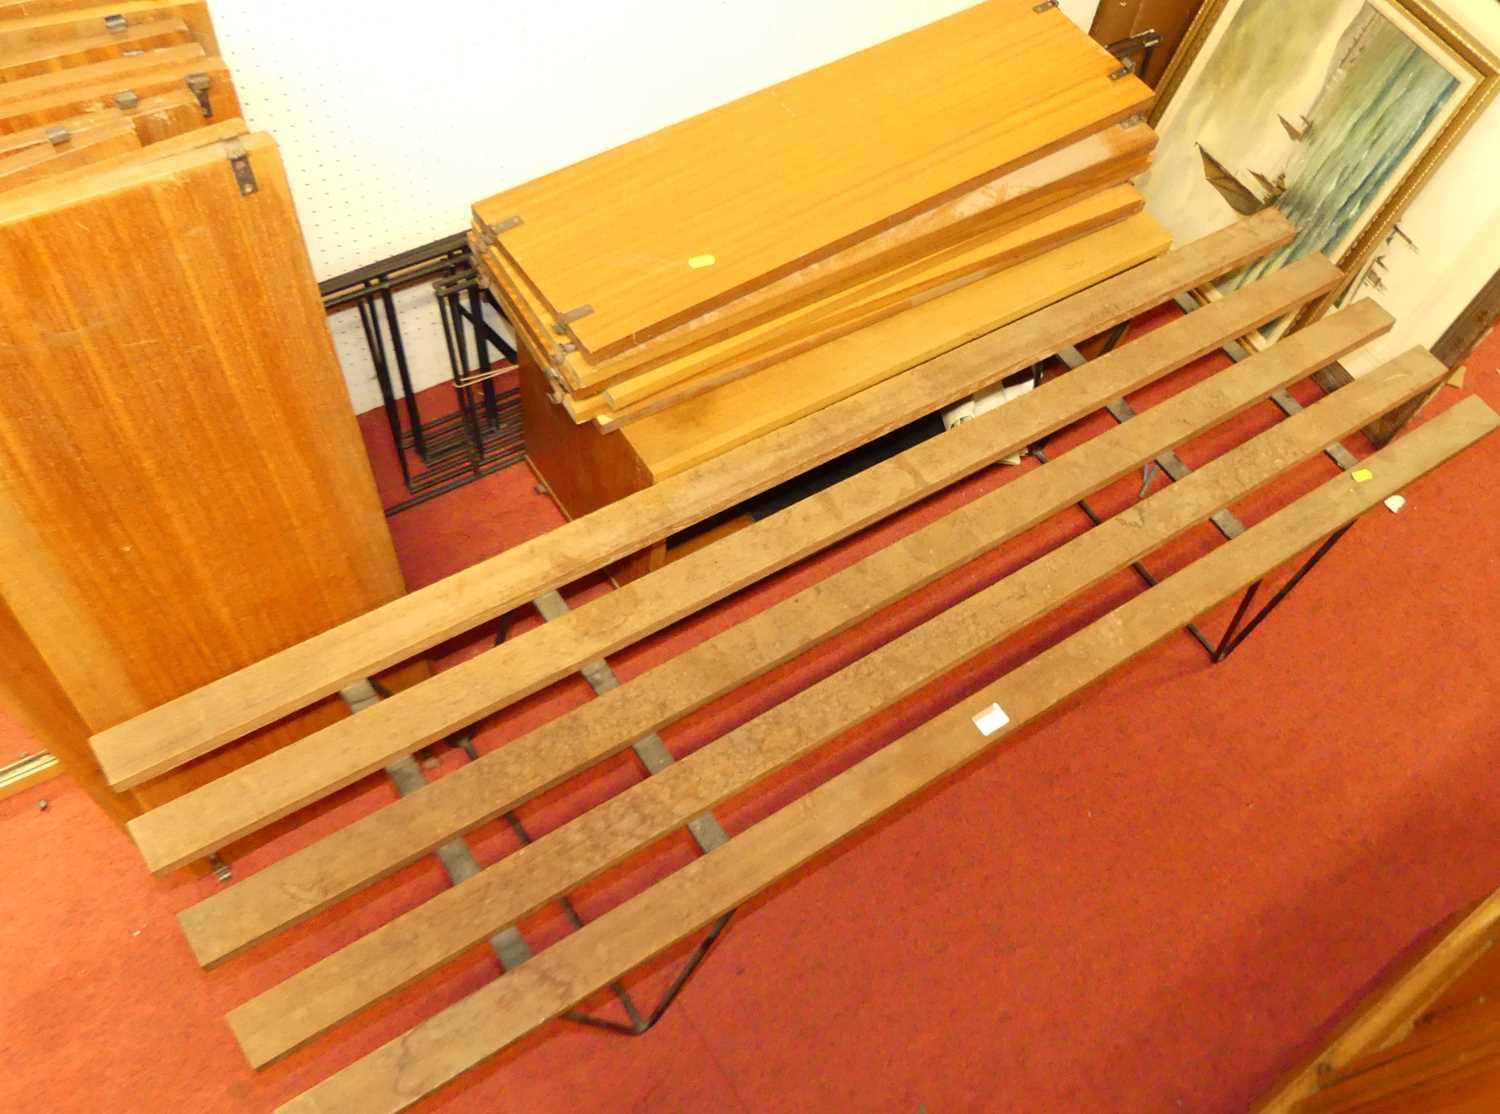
<point x="1335" y="112"/>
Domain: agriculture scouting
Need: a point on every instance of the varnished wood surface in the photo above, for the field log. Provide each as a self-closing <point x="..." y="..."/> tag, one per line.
<point x="183" y="489"/>
<point x="279" y="784"/>
<point x="101" y="47"/>
<point x="886" y="296"/>
<point x="618" y="231"/>
<point x="167" y="115"/>
<point x="314" y="878"/>
<point x="77" y="126"/>
<point x="121" y="71"/>
<point x="46" y="108"/>
<point x="196" y="723"/>
<point x="711" y="424"/>
<point x="422" y="1060"/>
<point x="43" y="162"/>
<point x="437" y="931"/>
<point x="30" y="22"/>
<point x="1008" y="200"/>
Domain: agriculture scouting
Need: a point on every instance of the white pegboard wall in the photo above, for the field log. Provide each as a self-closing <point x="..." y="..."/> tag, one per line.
<point x="394" y="119"/>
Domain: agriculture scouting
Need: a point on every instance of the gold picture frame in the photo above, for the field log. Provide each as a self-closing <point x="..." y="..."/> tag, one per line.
<point x="1433" y="18"/>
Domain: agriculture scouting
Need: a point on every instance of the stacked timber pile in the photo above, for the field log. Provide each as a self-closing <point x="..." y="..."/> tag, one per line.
<point x="722" y="248"/>
<point x="176" y="442"/>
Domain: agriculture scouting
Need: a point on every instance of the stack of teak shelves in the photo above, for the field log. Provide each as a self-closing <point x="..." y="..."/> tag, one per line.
<point x="183" y="488"/>
<point x="684" y="293"/>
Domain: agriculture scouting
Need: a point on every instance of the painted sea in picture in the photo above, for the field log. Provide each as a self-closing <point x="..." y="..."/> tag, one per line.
<point x="1317" y="108"/>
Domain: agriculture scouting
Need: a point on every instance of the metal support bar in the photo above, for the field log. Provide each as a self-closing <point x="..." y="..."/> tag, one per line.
<point x="458" y="861"/>
<point x="706" y="831"/>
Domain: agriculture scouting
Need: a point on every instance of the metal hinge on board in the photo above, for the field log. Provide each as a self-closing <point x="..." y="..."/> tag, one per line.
<point x="1127" y="68"/>
<point x="571" y="316"/>
<point x="1044" y="6"/>
<point x="505" y="226"/>
<point x="115" y="24"/>
<point x="127" y="99"/>
<point x="198" y="84"/>
<point x="57" y="135"/>
<point x="239" y="162"/>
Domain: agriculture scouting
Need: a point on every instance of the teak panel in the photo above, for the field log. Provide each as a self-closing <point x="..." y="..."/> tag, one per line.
<point x="303" y="883"/>
<point x="48" y="108"/>
<point x="702" y="428"/>
<point x="77" y="126"/>
<point x="196" y="723"/>
<point x="1097" y="162"/>
<point x="422" y="1060"/>
<point x="183" y="488"/>
<point x="36" y="21"/>
<point x="94" y="146"/>
<point x="279" y="784"/>
<point x="800" y="170"/>
<point x="874" y="300"/>
<point x="168" y="115"/>
<point x="49" y="57"/>
<point x="121" y="71"/>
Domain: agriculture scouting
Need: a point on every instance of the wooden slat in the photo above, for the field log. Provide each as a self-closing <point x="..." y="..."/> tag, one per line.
<point x="91" y="148"/>
<point x="121" y="72"/>
<point x="212" y="536"/>
<point x="58" y="105"/>
<point x="168" y="115"/>
<point x="377" y="845"/>
<point x="617" y="231"/>
<point x="736" y="413"/>
<point x="1094" y="163"/>
<point x="77" y="126"/>
<point x="393" y="956"/>
<point x="202" y="821"/>
<point x="29" y="22"/>
<point x="879" y="298"/>
<point x="435" y="1052"/>
<point x="198" y="722"/>
<point x="432" y="934"/>
<point x="102" y="47"/>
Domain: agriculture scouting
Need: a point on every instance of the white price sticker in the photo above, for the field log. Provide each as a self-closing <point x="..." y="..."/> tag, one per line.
<point x="990" y="720"/>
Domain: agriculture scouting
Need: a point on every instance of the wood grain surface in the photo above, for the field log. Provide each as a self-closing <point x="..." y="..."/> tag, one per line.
<point x="27" y="22"/>
<point x="729" y="416"/>
<point x="310" y="880"/>
<point x="420" y="1061"/>
<point x="44" y="161"/>
<point x="183" y="489"/>
<point x="256" y="695"/>
<point x="279" y="784"/>
<point x="101" y="47"/>
<point x="617" y="231"/>
<point x="1097" y="162"/>
<point x="59" y="104"/>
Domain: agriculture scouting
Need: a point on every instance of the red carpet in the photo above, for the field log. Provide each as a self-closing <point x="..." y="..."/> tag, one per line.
<point x="1158" y="900"/>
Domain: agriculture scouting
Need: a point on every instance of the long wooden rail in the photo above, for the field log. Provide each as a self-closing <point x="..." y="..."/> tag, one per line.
<point x="200" y="721"/>
<point x="280" y="783"/>
<point x="414" y="1065"/>
<point x="304" y="883"/>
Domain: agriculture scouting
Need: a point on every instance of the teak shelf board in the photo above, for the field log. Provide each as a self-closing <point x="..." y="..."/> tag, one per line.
<point x="221" y="711"/>
<point x="729" y="416"/>
<point x="31" y="112"/>
<point x="1096" y="162"/>
<point x="88" y="149"/>
<point x="487" y="1021"/>
<point x="77" y="126"/>
<point x="874" y="300"/>
<point x="102" y="47"/>
<point x="842" y="314"/>
<point x="699" y="187"/>
<point x="381" y="962"/>
<point x="310" y="880"/>
<point x="211" y="290"/>
<point x="30" y="23"/>
<point x="197" y="823"/>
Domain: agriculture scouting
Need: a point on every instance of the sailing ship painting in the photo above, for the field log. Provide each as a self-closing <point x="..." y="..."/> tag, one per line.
<point x="1319" y="109"/>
